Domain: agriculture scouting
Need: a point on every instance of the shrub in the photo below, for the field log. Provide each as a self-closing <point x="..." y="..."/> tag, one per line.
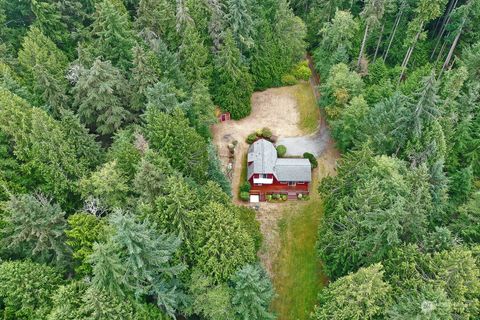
<point x="281" y="151"/>
<point x="284" y="197"/>
<point x="276" y="196"/>
<point x="245" y="187"/>
<point x="300" y="196"/>
<point x="251" y="138"/>
<point x="302" y="71"/>
<point x="269" y="197"/>
<point x="266" y="133"/>
<point x="245" y="196"/>
<point x="311" y="158"/>
<point x="289" y="80"/>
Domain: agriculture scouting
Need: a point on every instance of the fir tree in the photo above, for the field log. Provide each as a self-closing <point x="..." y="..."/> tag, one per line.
<point x="137" y="259"/>
<point x="170" y="135"/>
<point x="35" y="228"/>
<point x="233" y="84"/>
<point x="45" y="67"/>
<point x="111" y="36"/>
<point x="144" y="75"/>
<point x="194" y="56"/>
<point x="361" y="295"/>
<point x="221" y="244"/>
<point x="253" y="293"/>
<point x="240" y="21"/>
<point x="158" y="17"/>
<point x="99" y="96"/>
<point x="26" y="289"/>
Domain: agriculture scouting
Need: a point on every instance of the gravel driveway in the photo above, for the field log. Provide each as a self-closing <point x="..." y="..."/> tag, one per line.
<point x="315" y="143"/>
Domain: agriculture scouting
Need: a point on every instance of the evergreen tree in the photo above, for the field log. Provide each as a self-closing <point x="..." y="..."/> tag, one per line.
<point x="151" y="176"/>
<point x="373" y="11"/>
<point x="45" y="67"/>
<point x="137" y="259"/>
<point x="241" y="23"/>
<point x="253" y="293"/>
<point x="176" y="209"/>
<point x="426" y="11"/>
<point x="361" y="295"/>
<point x="164" y="97"/>
<point x="210" y="300"/>
<point x="84" y="230"/>
<point x="233" y="84"/>
<point x="35" y="228"/>
<point x="171" y="136"/>
<point x="100" y="97"/>
<point x="347" y="129"/>
<point x="221" y="244"/>
<point x="145" y="74"/>
<point x="215" y="173"/>
<point x="126" y="151"/>
<point x="337" y="41"/>
<point x="47" y="160"/>
<point x="266" y="59"/>
<point x="26" y="289"/>
<point x="425" y="302"/>
<point x="48" y="19"/>
<point x="378" y="202"/>
<point x="216" y="25"/>
<point x="194" y="57"/>
<point x="465" y="222"/>
<point x="107" y="184"/>
<point x="158" y="17"/>
<point x="111" y="36"/>
<point x="201" y="112"/>
<point x="290" y="32"/>
<point x="88" y="151"/>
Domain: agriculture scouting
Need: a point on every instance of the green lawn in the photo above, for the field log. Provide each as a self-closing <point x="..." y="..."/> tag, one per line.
<point x="307" y="107"/>
<point x="298" y="276"/>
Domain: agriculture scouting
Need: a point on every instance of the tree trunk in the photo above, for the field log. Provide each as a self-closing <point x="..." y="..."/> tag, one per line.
<point x="445" y="22"/>
<point x="442" y="49"/>
<point x="379" y="42"/>
<point x="362" y="48"/>
<point x="452" y="49"/>
<point x="409" y="53"/>
<point x="397" y="22"/>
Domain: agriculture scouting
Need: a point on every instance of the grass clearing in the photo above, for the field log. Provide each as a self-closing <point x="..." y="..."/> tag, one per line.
<point x="307" y="107"/>
<point x="298" y="274"/>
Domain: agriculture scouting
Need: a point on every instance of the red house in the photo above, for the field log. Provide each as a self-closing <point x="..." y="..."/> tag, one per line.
<point x="268" y="174"/>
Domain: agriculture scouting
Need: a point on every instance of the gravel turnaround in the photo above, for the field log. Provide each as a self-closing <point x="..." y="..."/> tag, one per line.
<point x="315" y="143"/>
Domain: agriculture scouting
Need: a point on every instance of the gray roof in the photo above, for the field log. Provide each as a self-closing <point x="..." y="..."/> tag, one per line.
<point x="263" y="157"/>
<point x="290" y="169"/>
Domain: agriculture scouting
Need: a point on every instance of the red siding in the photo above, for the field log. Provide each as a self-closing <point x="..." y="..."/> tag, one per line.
<point x="279" y="188"/>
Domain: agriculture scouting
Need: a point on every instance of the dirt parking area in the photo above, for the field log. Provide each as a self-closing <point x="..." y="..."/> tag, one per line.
<point x="274" y="108"/>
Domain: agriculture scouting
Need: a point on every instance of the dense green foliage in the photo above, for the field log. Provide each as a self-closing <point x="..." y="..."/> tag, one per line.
<point x="113" y="201"/>
<point x="114" y="204"/>
<point x="400" y="92"/>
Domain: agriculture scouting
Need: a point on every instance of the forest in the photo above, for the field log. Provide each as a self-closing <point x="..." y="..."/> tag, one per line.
<point x="113" y="201"/>
<point x="400" y="89"/>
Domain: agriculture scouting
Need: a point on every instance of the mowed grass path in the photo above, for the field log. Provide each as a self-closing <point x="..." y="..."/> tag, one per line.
<point x="307" y="107"/>
<point x="298" y="277"/>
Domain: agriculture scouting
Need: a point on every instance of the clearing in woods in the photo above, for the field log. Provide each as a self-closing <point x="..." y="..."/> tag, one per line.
<point x="289" y="229"/>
